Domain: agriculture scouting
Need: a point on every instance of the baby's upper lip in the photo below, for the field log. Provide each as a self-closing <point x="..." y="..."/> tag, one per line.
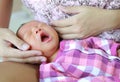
<point x="44" y="37"/>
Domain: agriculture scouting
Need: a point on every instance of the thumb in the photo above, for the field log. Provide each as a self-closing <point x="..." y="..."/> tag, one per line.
<point x="9" y="36"/>
<point x="70" y="9"/>
<point x="17" y="42"/>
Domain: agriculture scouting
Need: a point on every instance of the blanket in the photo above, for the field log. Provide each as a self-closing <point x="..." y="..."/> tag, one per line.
<point x="90" y="60"/>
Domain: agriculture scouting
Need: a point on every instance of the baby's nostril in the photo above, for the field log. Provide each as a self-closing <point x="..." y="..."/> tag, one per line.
<point x="39" y="29"/>
<point x="36" y="32"/>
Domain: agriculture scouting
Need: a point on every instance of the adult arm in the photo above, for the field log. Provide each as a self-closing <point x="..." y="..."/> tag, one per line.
<point x="87" y="21"/>
<point x="5" y="12"/>
<point x="18" y="72"/>
<point x="8" y="39"/>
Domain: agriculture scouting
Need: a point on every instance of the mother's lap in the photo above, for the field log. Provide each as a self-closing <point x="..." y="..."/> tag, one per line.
<point x="17" y="72"/>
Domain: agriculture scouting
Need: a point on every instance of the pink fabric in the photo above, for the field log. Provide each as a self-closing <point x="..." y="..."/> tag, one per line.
<point x="88" y="60"/>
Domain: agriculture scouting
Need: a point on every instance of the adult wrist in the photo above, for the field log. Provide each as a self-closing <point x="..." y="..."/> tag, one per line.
<point x="112" y="19"/>
<point x="3" y="26"/>
<point x="117" y="18"/>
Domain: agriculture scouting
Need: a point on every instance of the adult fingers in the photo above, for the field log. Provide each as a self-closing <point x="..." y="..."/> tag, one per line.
<point x="67" y="30"/>
<point x="20" y="44"/>
<point x="35" y="59"/>
<point x="70" y="9"/>
<point x="11" y="52"/>
<point x="77" y="14"/>
<point x="75" y="9"/>
<point x="13" y="39"/>
<point x="64" y="22"/>
<point x="7" y="38"/>
<point x="72" y="36"/>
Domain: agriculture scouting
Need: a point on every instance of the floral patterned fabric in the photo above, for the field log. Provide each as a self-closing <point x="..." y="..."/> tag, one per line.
<point x="48" y="10"/>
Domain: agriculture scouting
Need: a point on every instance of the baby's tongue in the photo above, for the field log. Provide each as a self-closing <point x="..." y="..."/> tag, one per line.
<point x="44" y="37"/>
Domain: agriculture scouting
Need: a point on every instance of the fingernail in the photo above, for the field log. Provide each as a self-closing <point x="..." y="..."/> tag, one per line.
<point x="43" y="59"/>
<point x="25" y="47"/>
<point x="38" y="53"/>
<point x="51" y="23"/>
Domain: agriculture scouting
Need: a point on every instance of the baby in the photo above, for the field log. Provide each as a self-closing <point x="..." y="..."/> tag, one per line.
<point x="71" y="59"/>
<point x="41" y="37"/>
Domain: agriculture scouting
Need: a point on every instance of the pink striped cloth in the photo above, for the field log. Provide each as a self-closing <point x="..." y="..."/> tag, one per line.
<point x="89" y="60"/>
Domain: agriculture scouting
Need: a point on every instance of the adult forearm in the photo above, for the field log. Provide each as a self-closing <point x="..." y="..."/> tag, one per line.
<point x="109" y="19"/>
<point x="5" y="12"/>
<point x="117" y="16"/>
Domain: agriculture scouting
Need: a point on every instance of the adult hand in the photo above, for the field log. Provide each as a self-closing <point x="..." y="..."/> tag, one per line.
<point x="86" y="21"/>
<point x="19" y="54"/>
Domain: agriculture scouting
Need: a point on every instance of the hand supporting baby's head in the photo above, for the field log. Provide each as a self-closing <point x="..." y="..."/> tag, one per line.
<point x="39" y="36"/>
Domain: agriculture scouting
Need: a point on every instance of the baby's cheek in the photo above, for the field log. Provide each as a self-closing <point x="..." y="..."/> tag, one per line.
<point x="49" y="51"/>
<point x="35" y="47"/>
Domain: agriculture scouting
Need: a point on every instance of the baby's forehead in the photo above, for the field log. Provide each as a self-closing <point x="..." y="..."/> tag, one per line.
<point x="34" y="22"/>
<point x="31" y="23"/>
<point x="26" y="26"/>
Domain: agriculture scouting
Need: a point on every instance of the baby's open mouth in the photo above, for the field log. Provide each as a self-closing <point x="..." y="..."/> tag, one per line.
<point x="44" y="37"/>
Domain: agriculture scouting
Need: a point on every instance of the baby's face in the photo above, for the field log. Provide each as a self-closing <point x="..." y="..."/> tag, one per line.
<point x="40" y="36"/>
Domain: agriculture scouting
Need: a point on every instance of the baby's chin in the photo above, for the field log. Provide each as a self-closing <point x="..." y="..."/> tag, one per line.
<point x="51" y="55"/>
<point x="48" y="54"/>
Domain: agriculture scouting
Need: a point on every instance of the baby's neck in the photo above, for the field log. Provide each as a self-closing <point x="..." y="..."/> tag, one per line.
<point x="52" y="58"/>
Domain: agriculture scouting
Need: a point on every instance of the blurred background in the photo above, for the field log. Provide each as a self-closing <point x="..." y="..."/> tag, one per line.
<point x="20" y="15"/>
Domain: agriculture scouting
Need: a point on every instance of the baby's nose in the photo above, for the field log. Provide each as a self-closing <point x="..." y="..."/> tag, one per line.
<point x="36" y="30"/>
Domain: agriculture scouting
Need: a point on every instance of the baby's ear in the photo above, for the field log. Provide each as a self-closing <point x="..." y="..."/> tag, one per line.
<point x="118" y="53"/>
